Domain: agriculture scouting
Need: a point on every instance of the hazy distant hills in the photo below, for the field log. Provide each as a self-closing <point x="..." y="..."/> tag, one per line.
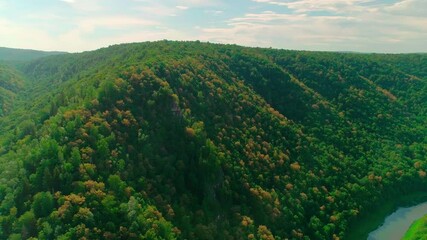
<point x="11" y="80"/>
<point x="12" y="54"/>
<point x="190" y="140"/>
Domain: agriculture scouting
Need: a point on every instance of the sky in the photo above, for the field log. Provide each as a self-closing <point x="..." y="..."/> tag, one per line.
<point x="389" y="26"/>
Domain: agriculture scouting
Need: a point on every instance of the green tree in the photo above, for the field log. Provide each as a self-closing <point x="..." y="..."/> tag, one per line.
<point x="43" y="204"/>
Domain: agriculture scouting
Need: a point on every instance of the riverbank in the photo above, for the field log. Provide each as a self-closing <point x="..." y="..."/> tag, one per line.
<point x="417" y="230"/>
<point x="368" y="222"/>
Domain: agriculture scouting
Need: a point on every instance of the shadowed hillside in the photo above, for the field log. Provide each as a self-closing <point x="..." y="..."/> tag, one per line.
<point x="11" y="82"/>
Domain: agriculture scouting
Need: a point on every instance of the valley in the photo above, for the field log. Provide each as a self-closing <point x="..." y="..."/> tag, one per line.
<point x="191" y="140"/>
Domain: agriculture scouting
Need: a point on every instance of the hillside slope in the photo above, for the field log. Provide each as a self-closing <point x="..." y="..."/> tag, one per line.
<point x="417" y="230"/>
<point x="11" y="82"/>
<point x="200" y="141"/>
<point x="20" y="55"/>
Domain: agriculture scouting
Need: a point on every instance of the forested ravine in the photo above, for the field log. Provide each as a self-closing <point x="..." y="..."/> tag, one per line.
<point x="190" y="140"/>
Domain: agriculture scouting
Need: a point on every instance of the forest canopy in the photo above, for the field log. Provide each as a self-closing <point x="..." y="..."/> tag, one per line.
<point x="190" y="140"/>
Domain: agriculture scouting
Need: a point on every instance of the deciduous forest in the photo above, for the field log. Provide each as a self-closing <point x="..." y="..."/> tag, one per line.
<point x="190" y="140"/>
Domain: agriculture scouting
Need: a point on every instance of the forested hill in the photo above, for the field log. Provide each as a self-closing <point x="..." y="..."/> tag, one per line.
<point x="192" y="140"/>
<point x="11" y="81"/>
<point x="19" y="55"/>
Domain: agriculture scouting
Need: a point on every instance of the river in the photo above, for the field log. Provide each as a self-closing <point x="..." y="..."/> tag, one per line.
<point x="396" y="224"/>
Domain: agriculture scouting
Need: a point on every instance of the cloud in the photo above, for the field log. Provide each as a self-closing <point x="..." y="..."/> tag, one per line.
<point x="269" y="28"/>
<point x="182" y="7"/>
<point x="409" y="8"/>
<point x="112" y="22"/>
<point x="199" y="3"/>
<point x="77" y="39"/>
<point x="88" y="5"/>
<point x="365" y="28"/>
<point x="158" y="9"/>
<point x="76" y="42"/>
<point x="82" y="36"/>
<point x="266" y="17"/>
<point x="301" y="6"/>
<point x="214" y="12"/>
<point x="350" y="25"/>
<point x="21" y="34"/>
<point x="47" y="16"/>
<point x="192" y="3"/>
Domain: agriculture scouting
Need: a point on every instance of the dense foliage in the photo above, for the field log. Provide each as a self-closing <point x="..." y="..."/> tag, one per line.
<point x="11" y="82"/>
<point x="418" y="230"/>
<point x="191" y="140"/>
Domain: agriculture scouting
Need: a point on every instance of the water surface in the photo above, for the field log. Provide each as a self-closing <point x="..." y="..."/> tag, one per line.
<point x="396" y="224"/>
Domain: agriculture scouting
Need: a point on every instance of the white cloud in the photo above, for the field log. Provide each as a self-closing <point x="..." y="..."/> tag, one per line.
<point x="198" y="3"/>
<point x="159" y="10"/>
<point x="409" y="8"/>
<point x="267" y="17"/>
<point x="87" y="5"/>
<point x="363" y="28"/>
<point x="272" y="18"/>
<point x="15" y="35"/>
<point x="112" y="22"/>
<point x="77" y="39"/>
<point x="182" y="7"/>
<point x="272" y="29"/>
<point x="214" y="12"/>
<point x="192" y="3"/>
<point x="357" y="25"/>
<point x="44" y="16"/>
<point x="302" y="6"/>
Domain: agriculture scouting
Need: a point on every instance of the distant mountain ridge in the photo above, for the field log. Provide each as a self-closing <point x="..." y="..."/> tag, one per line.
<point x="14" y="54"/>
<point x="11" y="80"/>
